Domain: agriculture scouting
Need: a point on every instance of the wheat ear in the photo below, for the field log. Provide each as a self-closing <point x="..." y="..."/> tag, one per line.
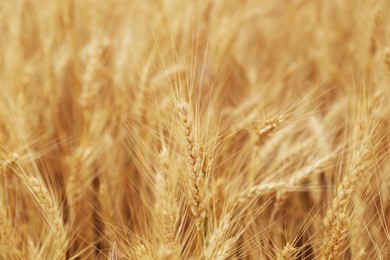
<point x="52" y="213"/>
<point x="194" y="163"/>
<point x="263" y="131"/>
<point x="338" y="236"/>
<point x="114" y="252"/>
<point x="288" y="253"/>
<point x="387" y="58"/>
<point x="164" y="200"/>
<point x="348" y="184"/>
<point x="8" y="238"/>
<point x="89" y="85"/>
<point x="337" y="216"/>
<point x="261" y="189"/>
<point x="195" y="167"/>
<point x="268" y="127"/>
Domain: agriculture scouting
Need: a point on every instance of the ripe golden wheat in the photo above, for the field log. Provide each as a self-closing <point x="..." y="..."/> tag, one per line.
<point x="209" y="129"/>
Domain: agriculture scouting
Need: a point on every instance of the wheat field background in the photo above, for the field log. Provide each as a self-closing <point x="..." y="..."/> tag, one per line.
<point x="198" y="129"/>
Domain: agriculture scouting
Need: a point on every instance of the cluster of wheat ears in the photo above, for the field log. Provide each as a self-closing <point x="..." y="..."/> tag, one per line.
<point x="199" y="129"/>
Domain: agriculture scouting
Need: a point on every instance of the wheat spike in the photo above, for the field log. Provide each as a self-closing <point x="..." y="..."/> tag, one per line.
<point x="288" y="253"/>
<point x="194" y="162"/>
<point x="52" y="213"/>
<point x="338" y="235"/>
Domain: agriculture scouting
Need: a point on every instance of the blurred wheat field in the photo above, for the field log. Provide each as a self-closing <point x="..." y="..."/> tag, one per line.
<point x="199" y="129"/>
